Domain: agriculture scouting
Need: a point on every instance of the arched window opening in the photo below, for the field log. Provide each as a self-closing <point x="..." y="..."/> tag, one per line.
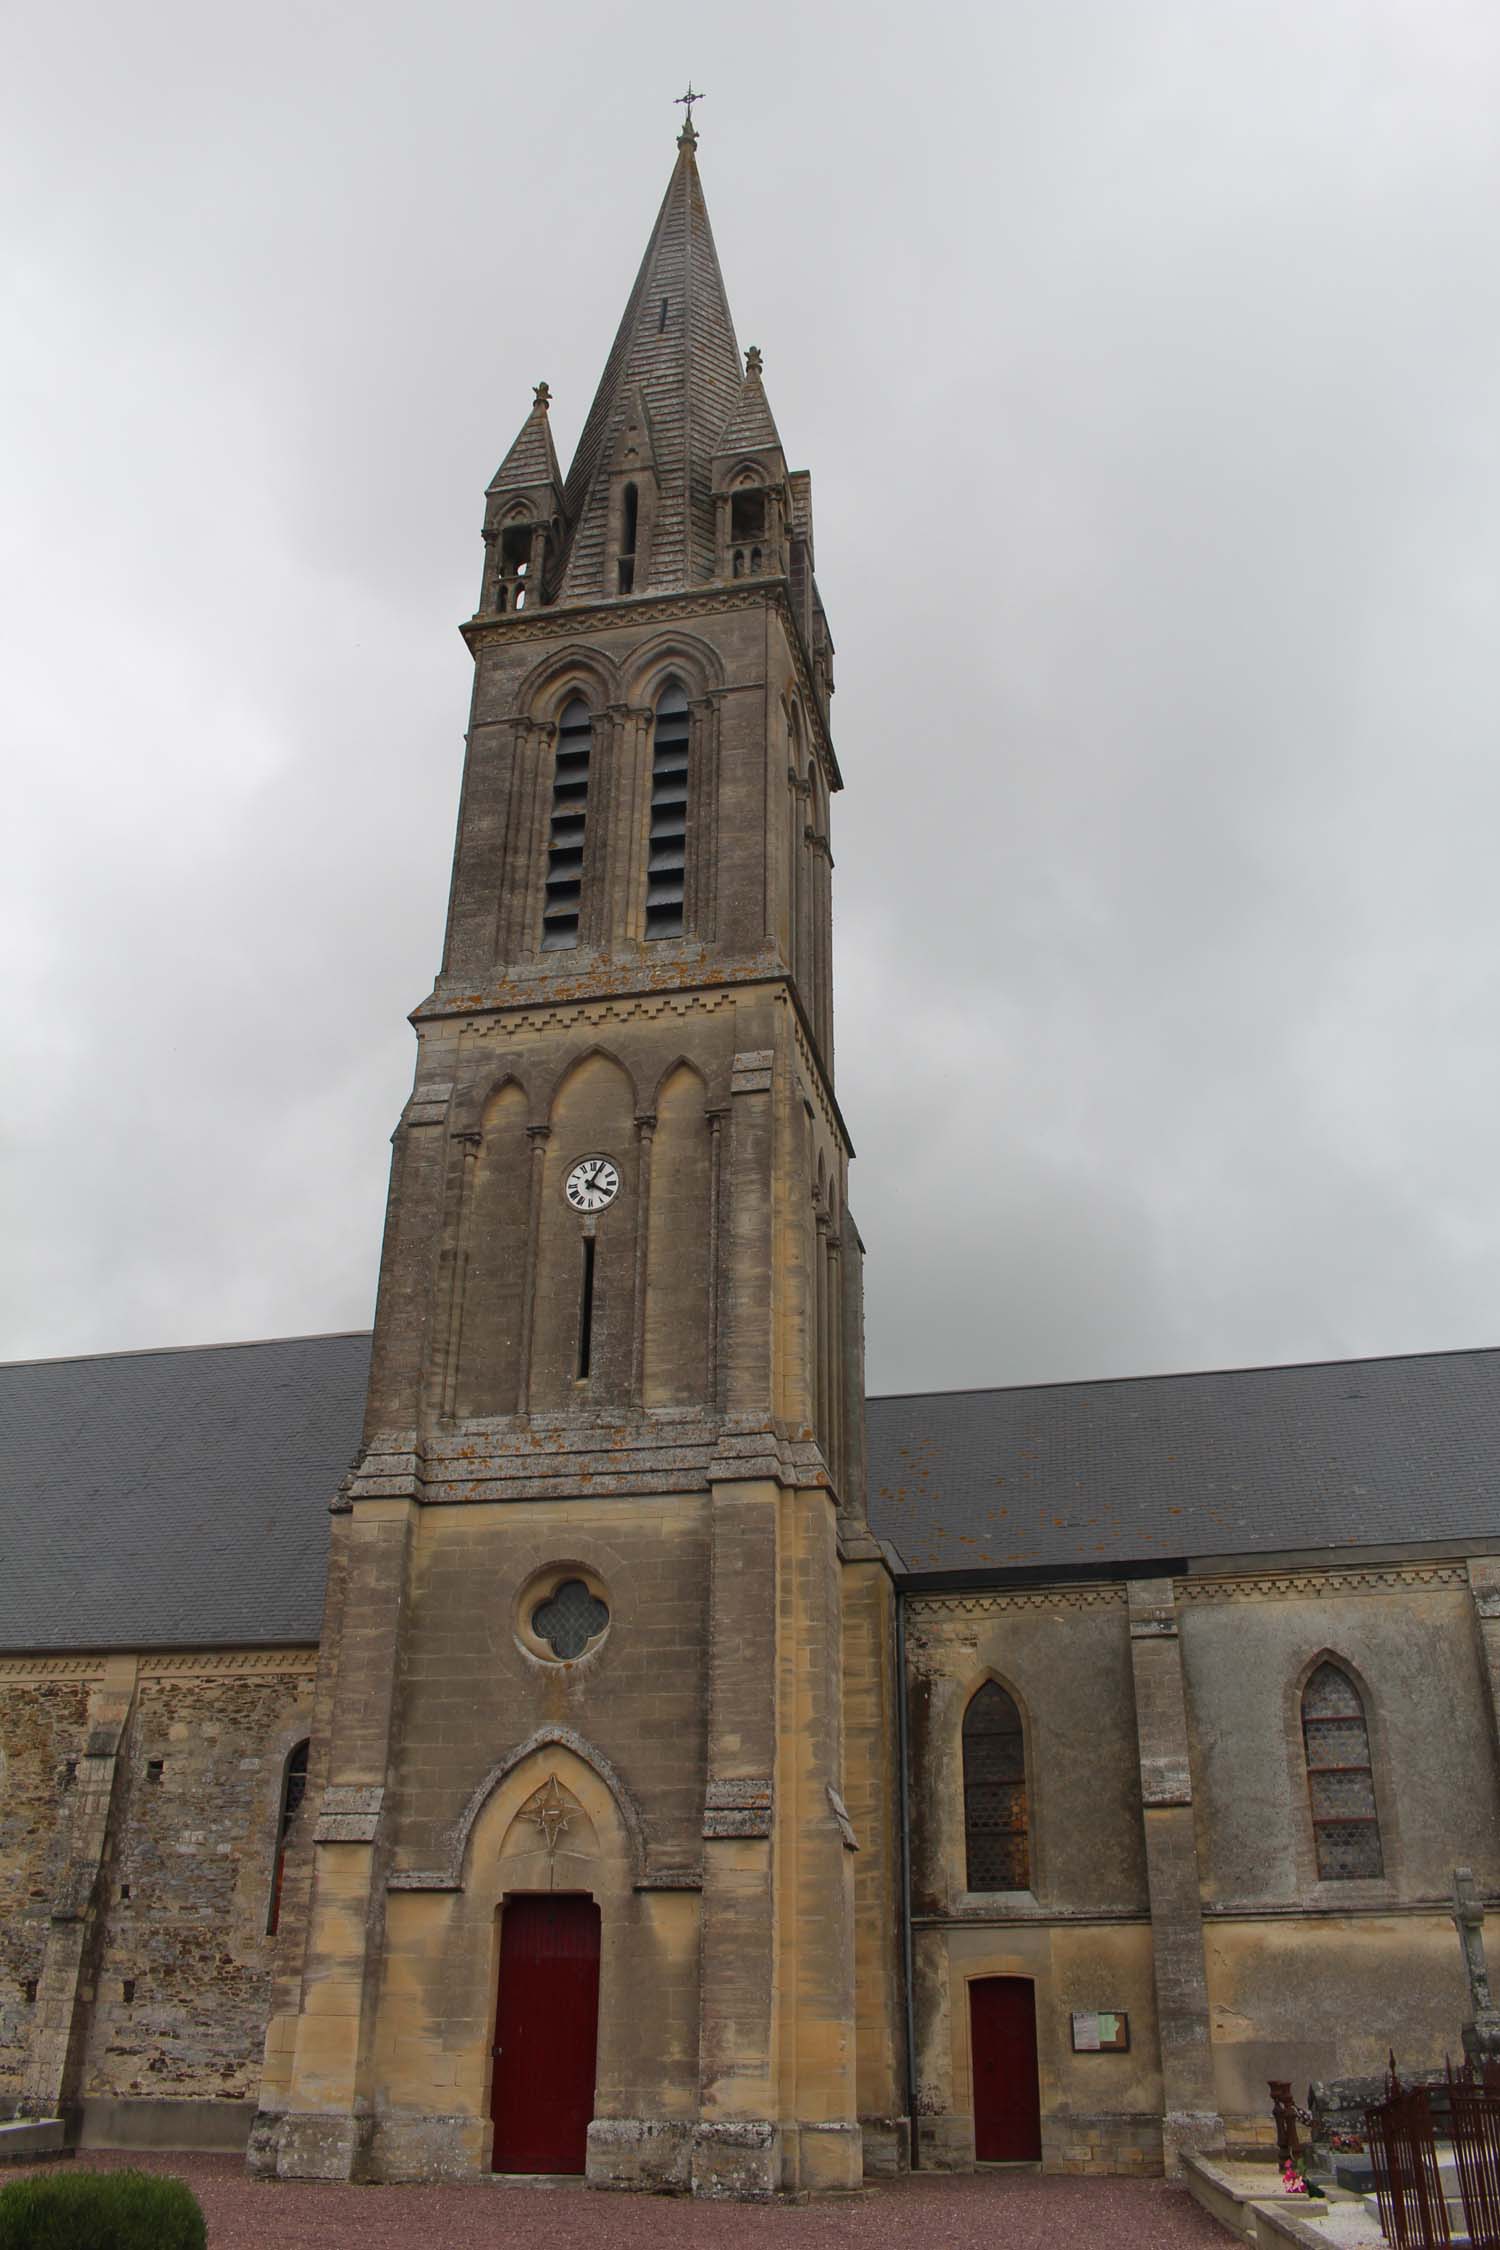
<point x="515" y="560"/>
<point x="1340" y="1783"/>
<point x="666" y="865"/>
<point x="293" y="1790"/>
<point x="630" y="516"/>
<point x="570" y="793"/>
<point x="996" y="1819"/>
<point x="747" y="515"/>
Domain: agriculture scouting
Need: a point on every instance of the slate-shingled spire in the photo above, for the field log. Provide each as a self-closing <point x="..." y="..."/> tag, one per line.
<point x="751" y="427"/>
<point x="532" y="460"/>
<point x="676" y="349"/>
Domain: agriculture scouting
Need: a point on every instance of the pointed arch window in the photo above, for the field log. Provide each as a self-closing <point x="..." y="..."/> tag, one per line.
<point x="293" y="1790"/>
<point x="666" y="865"/>
<point x="997" y="1823"/>
<point x="570" y="799"/>
<point x="1340" y="1782"/>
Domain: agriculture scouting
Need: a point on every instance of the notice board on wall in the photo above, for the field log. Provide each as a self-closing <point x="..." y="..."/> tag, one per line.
<point x="1100" y="2031"/>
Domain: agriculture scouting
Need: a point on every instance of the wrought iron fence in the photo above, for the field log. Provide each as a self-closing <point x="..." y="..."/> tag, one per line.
<point x="1402" y="2133"/>
<point x="1403" y="2155"/>
<point x="1474" y="2121"/>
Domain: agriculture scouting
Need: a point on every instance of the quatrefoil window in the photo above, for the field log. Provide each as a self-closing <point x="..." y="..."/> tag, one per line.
<point x="569" y="1619"/>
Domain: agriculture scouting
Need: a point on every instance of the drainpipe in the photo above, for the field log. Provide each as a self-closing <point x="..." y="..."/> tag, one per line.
<point x="904" y="1801"/>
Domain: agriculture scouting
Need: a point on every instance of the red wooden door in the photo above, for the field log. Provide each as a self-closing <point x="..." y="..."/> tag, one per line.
<point x="546" y="2031"/>
<point x="1007" y="2098"/>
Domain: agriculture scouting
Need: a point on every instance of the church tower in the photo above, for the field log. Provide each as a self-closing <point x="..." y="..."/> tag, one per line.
<point x="597" y="1870"/>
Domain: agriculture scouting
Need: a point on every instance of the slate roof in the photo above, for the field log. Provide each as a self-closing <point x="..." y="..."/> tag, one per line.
<point x="173" y="1498"/>
<point x="1362" y="1452"/>
<point x="675" y="345"/>
<point x="179" y="1498"/>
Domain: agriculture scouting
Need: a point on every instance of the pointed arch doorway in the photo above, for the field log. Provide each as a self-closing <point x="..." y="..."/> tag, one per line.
<point x="546" y="2032"/>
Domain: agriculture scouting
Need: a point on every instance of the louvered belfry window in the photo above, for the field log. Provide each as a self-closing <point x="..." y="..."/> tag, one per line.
<point x="666" y="866"/>
<point x="1346" y="1827"/>
<point x="570" y="797"/>
<point x="996" y="1822"/>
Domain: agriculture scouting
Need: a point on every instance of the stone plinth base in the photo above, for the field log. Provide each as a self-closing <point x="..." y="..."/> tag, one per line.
<point x="886" y="2147"/>
<point x="738" y="2161"/>
<point x="1185" y="2132"/>
<point x="826" y="2159"/>
<point x="643" y="2153"/>
<point x="296" y="2146"/>
<point x="27" y="2140"/>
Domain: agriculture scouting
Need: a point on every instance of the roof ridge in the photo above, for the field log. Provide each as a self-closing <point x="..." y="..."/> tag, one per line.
<point x="163" y="1351"/>
<point x="1187" y="1374"/>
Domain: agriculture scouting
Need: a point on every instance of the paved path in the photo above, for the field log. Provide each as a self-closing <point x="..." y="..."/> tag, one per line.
<point x="987" y="2211"/>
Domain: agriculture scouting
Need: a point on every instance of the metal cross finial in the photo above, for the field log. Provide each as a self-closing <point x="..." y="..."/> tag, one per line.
<point x="686" y="102"/>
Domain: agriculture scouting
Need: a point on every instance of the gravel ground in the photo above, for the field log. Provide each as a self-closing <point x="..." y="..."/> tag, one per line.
<point x="984" y="2211"/>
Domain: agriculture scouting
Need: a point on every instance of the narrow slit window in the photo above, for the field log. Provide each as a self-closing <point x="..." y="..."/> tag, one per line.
<point x="666" y="863"/>
<point x="630" y="516"/>
<point x="586" y="1311"/>
<point x="661" y="318"/>
<point x="1340" y="1781"/>
<point x="996" y="1815"/>
<point x="293" y="1790"/>
<point x="570" y="794"/>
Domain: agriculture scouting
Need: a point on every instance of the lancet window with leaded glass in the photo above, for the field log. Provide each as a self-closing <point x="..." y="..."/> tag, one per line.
<point x="996" y="1814"/>
<point x="1340" y="1782"/>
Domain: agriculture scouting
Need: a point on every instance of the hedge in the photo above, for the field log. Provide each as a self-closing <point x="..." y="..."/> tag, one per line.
<point x="100" y="2211"/>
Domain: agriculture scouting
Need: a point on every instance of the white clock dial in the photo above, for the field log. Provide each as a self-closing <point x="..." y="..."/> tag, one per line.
<point x="592" y="1183"/>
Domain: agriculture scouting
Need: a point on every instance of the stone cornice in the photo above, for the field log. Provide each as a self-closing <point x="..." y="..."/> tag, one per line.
<point x="944" y="1607"/>
<point x="557" y="624"/>
<point x="597" y="1010"/>
<point x="166" y="1664"/>
<point x="1293" y="1585"/>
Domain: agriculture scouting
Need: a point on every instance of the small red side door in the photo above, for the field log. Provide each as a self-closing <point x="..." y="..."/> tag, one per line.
<point x="1007" y="2097"/>
<point x="546" y="2033"/>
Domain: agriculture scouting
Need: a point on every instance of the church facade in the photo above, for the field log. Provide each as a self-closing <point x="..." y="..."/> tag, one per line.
<point x="647" y="1758"/>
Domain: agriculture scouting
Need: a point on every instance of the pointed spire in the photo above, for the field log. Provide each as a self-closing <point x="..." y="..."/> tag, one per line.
<point x="751" y="427"/>
<point x="532" y="460"/>
<point x="675" y="353"/>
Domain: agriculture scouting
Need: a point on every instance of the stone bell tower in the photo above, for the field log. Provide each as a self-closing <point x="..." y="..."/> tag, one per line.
<point x="597" y="1868"/>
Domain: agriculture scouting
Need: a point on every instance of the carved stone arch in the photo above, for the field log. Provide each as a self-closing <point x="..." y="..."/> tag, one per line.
<point x="695" y="663"/>
<point x="679" y="1062"/>
<point x="747" y="473"/>
<point x="520" y="511"/>
<point x="552" y="683"/>
<point x="471" y="1103"/>
<point x="575" y="1063"/>
<point x="451" y="1874"/>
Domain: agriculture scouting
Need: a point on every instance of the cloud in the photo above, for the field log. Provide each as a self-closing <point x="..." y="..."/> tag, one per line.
<point x="1145" y="360"/>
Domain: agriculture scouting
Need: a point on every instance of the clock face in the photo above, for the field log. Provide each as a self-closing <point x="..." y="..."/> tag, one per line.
<point x="592" y="1183"/>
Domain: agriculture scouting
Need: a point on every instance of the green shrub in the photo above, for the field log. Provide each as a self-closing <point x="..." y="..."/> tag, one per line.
<point x="100" y="2211"/>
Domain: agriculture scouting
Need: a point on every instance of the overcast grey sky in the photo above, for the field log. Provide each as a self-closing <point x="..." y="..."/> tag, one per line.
<point x="1146" y="356"/>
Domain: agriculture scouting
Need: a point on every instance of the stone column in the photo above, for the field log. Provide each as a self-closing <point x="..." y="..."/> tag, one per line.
<point x="645" y="1139"/>
<point x="52" y="2076"/>
<point x="1190" y="2113"/>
